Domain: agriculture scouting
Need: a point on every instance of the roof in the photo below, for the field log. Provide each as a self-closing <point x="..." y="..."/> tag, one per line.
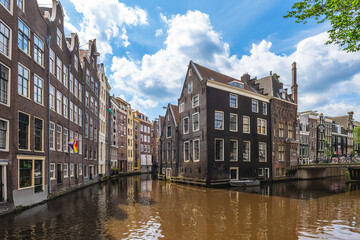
<point x="175" y="110"/>
<point x="218" y="77"/>
<point x="162" y="121"/>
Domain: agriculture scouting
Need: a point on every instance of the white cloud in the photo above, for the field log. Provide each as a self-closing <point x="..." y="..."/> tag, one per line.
<point x="158" y="32"/>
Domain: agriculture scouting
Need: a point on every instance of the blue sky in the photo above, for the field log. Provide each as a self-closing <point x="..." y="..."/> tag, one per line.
<point x="146" y="46"/>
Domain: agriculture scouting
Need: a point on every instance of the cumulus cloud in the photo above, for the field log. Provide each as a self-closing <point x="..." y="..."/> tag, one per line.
<point x="157" y="79"/>
<point x="158" y="32"/>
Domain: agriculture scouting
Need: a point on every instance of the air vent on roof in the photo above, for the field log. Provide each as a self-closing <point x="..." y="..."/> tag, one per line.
<point x="237" y="84"/>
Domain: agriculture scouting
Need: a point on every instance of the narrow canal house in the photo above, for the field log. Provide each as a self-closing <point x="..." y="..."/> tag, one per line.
<point x="339" y="141"/>
<point x="284" y="145"/>
<point x="308" y="121"/>
<point x="121" y="123"/>
<point x="169" y="140"/>
<point x="114" y="145"/>
<point x="145" y="153"/>
<point x="130" y="140"/>
<point x="224" y="129"/>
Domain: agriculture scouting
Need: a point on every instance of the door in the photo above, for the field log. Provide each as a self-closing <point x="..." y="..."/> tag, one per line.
<point x="58" y="173"/>
<point x="91" y="172"/>
<point x="1" y="184"/>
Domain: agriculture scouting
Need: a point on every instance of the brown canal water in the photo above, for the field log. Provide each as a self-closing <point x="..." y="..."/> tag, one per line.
<point x="141" y="208"/>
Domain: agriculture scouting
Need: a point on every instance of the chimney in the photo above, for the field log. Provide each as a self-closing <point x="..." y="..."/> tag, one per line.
<point x="294" y="87"/>
<point x="245" y="78"/>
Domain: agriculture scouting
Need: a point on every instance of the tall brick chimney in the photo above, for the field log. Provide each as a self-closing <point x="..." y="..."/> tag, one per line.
<point x="294" y="87"/>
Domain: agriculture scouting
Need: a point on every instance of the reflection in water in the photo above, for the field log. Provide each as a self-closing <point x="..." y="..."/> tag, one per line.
<point x="142" y="208"/>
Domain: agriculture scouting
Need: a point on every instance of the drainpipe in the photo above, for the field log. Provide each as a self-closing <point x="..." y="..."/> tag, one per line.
<point x="49" y="180"/>
<point x="69" y="150"/>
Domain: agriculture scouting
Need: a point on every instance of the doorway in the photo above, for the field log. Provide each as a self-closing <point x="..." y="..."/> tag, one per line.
<point x="1" y="185"/>
<point x="58" y="173"/>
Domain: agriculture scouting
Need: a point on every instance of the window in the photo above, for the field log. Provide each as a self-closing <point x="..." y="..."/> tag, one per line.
<point x="186" y="125"/>
<point x="261" y="126"/>
<point x="71" y="170"/>
<point x="38" y="50"/>
<point x="92" y="103"/>
<point x="75" y="114"/>
<point x="281" y="153"/>
<point x="196" y="150"/>
<point x="71" y="111"/>
<point x="4" y="39"/>
<point x="87" y="77"/>
<point x="219" y="149"/>
<point x="23" y="81"/>
<point x="219" y="120"/>
<point x="90" y="152"/>
<point x="234" y="173"/>
<point x="58" y="138"/>
<point x="66" y="173"/>
<point x="4" y="84"/>
<point x="91" y="128"/>
<point x="24" y="125"/>
<point x="75" y="89"/>
<point x="261" y="172"/>
<point x="65" y="140"/>
<point x="181" y="107"/>
<point x="31" y="174"/>
<point x="80" y="117"/>
<point x="65" y="76"/>
<point x="38" y="134"/>
<point x="65" y="106"/>
<point x="80" y="169"/>
<point x="233" y="122"/>
<point x="80" y="144"/>
<point x="190" y="87"/>
<point x="246" y="151"/>
<point x="52" y="135"/>
<point x="246" y="124"/>
<point x="80" y="92"/>
<point x="20" y="4"/>
<point x="96" y="108"/>
<point x="58" y="68"/>
<point x="76" y="62"/>
<point x="281" y="130"/>
<point x="6" y="4"/>
<point x="95" y="132"/>
<point x="52" y="171"/>
<point x="233" y="150"/>
<point x="4" y="134"/>
<point x="168" y="131"/>
<point x="262" y="152"/>
<point x="168" y="157"/>
<point x="264" y="108"/>
<point x="38" y="89"/>
<point x="52" y="62"/>
<point x="92" y="83"/>
<point x="59" y="38"/>
<point x="87" y="98"/>
<point x="186" y="151"/>
<point x="24" y="37"/>
<point x="195" y="123"/>
<point x="290" y="131"/>
<point x="195" y="101"/>
<point x="254" y="106"/>
<point x="233" y="100"/>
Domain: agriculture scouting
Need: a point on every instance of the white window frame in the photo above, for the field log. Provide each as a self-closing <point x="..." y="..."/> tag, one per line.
<point x="181" y="107"/>
<point x="10" y="40"/>
<point x="260" y="172"/>
<point x="8" y="86"/>
<point x="187" y="142"/>
<point x="237" y="150"/>
<point x="193" y="125"/>
<point x="265" y="151"/>
<point x="52" y="171"/>
<point x="65" y="106"/>
<point x="190" y="87"/>
<point x="53" y="136"/>
<point x="249" y="151"/>
<point x="7" y="135"/>
<point x="237" y="173"/>
<point x="244" y="125"/>
<point x="196" y="159"/>
<point x="236" y="100"/>
<point x="237" y="120"/>
<point x="257" y="105"/>
<point x="59" y="148"/>
<point x="59" y="37"/>
<point x="28" y="81"/>
<point x="198" y="101"/>
<point x="188" y="125"/>
<point x="222" y="127"/>
<point x="66" y="167"/>
<point x="263" y="123"/>
<point x="167" y="131"/>
<point x="264" y="108"/>
<point x="222" y="154"/>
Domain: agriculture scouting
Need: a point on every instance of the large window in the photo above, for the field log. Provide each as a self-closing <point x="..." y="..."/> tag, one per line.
<point x="75" y="114"/>
<point x="52" y="171"/>
<point x="20" y="4"/>
<point x="87" y="98"/>
<point x="52" y="98"/>
<point x="281" y="130"/>
<point x="195" y="101"/>
<point x="254" y="106"/>
<point x="190" y="87"/>
<point x="233" y="100"/>
<point x="4" y="39"/>
<point x="196" y="150"/>
<point x="233" y="150"/>
<point x="92" y="83"/>
<point x="65" y="76"/>
<point x="168" y="131"/>
<point x="24" y="125"/>
<point x="186" y="151"/>
<point x="38" y="89"/>
<point x="264" y="108"/>
<point x="87" y="77"/>
<point x="52" y="135"/>
<point x="65" y="106"/>
<point x="52" y="62"/>
<point x="25" y="173"/>
<point x="91" y="128"/>
<point x="58" y="138"/>
<point x="23" y="37"/>
<point x="168" y="151"/>
<point x="290" y="131"/>
<point x="281" y="153"/>
<point x="195" y="122"/>
<point x="58" y="102"/>
<point x="6" y="4"/>
<point x="246" y="124"/>
<point x="261" y="126"/>
<point x="262" y="152"/>
<point x="38" y="50"/>
<point x="219" y="149"/>
<point x="87" y="125"/>
<point x="4" y="84"/>
<point x="59" y="38"/>
<point x="4" y="136"/>
<point x="23" y="81"/>
<point x="76" y="62"/>
<point x="65" y="140"/>
<point x="66" y="169"/>
<point x="71" y="111"/>
<point x="186" y="125"/>
<point x="38" y="134"/>
<point x="58" y="68"/>
<point x="246" y="151"/>
<point x="233" y="122"/>
<point x="219" y="120"/>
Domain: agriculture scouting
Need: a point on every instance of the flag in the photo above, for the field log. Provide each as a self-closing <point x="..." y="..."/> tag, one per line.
<point x="74" y="145"/>
<point x="109" y="109"/>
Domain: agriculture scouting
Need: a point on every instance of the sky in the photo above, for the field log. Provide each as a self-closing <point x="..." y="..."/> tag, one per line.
<point x="146" y="46"/>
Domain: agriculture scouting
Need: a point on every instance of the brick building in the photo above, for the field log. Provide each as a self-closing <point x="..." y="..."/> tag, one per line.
<point x="154" y="141"/>
<point x="145" y="153"/>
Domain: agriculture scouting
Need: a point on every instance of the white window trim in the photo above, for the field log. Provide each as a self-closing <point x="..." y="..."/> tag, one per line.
<point x="237" y="120"/>
<point x="249" y="124"/>
<point x="189" y="151"/>
<point x="192" y="101"/>
<point x="196" y="160"/>
<point x="181" y="107"/>
<point x="184" y="125"/>
<point x="29" y="36"/>
<point x="195" y="130"/>
<point x="222" y="128"/>
<point x="257" y="105"/>
<point x="261" y="121"/>
<point x="54" y="177"/>
<point x="10" y="38"/>
<point x="262" y="172"/>
<point x="192" y="86"/>
<point x="9" y="86"/>
<point x="264" y="104"/>
<point x="11" y="7"/>
<point x="217" y="160"/>
<point x="237" y="150"/>
<point x="67" y="170"/>
<point x="237" y="173"/>
<point x="236" y="99"/>
<point x="265" y="152"/>
<point x="249" y="152"/>
<point x="7" y="135"/>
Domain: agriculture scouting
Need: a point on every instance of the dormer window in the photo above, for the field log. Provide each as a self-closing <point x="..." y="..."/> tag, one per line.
<point x="237" y="84"/>
<point x="20" y="4"/>
<point x="190" y="87"/>
<point x="58" y="37"/>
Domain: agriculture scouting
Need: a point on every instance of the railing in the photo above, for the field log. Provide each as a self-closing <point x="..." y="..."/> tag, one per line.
<point x="332" y="160"/>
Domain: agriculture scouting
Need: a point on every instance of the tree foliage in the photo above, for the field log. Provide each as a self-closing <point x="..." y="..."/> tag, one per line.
<point x="327" y="150"/>
<point x="357" y="135"/>
<point x="343" y="15"/>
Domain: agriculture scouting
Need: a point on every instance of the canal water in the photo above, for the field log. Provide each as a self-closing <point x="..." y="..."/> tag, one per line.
<point x="140" y="207"/>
